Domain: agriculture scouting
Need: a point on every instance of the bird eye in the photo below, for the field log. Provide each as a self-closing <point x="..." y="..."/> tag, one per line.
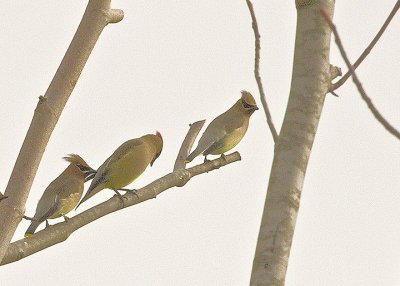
<point x="246" y="105"/>
<point x="81" y="167"/>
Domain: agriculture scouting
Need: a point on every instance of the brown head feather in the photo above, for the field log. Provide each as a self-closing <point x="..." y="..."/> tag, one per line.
<point x="248" y="98"/>
<point x="75" y="159"/>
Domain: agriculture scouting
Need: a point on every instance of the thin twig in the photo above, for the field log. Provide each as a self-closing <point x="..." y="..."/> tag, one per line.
<point x="187" y="144"/>
<point x="340" y="82"/>
<point x="334" y="93"/>
<point x="257" y="71"/>
<point x="60" y="232"/>
<point x="357" y="82"/>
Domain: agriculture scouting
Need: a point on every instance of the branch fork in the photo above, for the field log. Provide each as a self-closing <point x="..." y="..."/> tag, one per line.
<point x="52" y="105"/>
<point x="178" y="178"/>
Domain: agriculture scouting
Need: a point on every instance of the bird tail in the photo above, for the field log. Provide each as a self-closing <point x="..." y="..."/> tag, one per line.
<point x="32" y="227"/>
<point x="196" y="152"/>
<point x="93" y="189"/>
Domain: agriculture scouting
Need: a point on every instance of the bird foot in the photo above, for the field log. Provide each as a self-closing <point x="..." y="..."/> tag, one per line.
<point x="120" y="197"/>
<point x="222" y="156"/>
<point x="47" y="223"/>
<point x="27" y="217"/>
<point x="65" y="218"/>
<point x="205" y="159"/>
<point x="133" y="191"/>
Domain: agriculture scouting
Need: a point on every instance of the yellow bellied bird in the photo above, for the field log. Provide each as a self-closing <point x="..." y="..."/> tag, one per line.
<point x="126" y="164"/>
<point x="62" y="194"/>
<point x="226" y="130"/>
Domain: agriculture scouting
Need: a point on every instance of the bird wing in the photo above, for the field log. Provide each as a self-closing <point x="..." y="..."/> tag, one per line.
<point x="215" y="133"/>
<point x="50" y="203"/>
<point x="122" y="151"/>
<point x="52" y="210"/>
<point x="46" y="204"/>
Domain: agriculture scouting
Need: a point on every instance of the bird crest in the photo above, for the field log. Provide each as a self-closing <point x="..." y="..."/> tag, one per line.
<point x="248" y="101"/>
<point x="248" y="98"/>
<point x="75" y="159"/>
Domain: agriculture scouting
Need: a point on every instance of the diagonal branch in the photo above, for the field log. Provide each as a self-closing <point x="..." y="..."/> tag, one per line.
<point x="60" y="232"/>
<point x="257" y="71"/>
<point x="340" y="82"/>
<point x="187" y="144"/>
<point x="357" y="82"/>
<point x="97" y="15"/>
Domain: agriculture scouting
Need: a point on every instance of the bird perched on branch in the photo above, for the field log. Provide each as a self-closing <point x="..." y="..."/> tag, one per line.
<point x="226" y="131"/>
<point x="63" y="194"/>
<point x="126" y="164"/>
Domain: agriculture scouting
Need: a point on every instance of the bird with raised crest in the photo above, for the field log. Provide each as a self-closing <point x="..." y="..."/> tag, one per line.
<point x="62" y="194"/>
<point x="226" y="130"/>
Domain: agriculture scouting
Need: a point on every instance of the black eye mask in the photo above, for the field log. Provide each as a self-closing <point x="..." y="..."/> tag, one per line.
<point x="246" y="105"/>
<point x="83" y="168"/>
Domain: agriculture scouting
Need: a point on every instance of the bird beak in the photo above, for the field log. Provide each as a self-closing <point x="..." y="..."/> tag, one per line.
<point x="89" y="177"/>
<point x="89" y="174"/>
<point x="255" y="108"/>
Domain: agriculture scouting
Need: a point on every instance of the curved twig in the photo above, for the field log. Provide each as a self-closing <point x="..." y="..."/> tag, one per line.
<point x="357" y="82"/>
<point x="342" y="80"/>
<point x="257" y="71"/>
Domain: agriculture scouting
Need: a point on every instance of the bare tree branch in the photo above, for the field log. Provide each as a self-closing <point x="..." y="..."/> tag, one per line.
<point x="60" y="232"/>
<point x="311" y="79"/>
<point x="257" y="71"/>
<point x="357" y="82"/>
<point x="187" y="144"/>
<point x="340" y="82"/>
<point x="97" y="15"/>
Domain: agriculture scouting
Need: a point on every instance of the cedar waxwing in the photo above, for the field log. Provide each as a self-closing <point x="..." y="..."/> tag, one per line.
<point x="226" y="131"/>
<point x="63" y="194"/>
<point x="126" y="164"/>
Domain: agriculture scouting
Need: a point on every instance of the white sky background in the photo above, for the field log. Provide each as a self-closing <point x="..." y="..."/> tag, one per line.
<point x="169" y="63"/>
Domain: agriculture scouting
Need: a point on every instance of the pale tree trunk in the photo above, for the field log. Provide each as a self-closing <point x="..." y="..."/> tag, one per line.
<point x="97" y="15"/>
<point x="310" y="82"/>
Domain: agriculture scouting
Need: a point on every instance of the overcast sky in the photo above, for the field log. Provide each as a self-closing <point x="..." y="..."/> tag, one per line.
<point x="170" y="63"/>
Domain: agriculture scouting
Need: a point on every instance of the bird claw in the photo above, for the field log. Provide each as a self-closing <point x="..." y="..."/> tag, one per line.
<point x="27" y="217"/>
<point x="133" y="191"/>
<point x="205" y="159"/>
<point x="120" y="197"/>
<point x="65" y="218"/>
